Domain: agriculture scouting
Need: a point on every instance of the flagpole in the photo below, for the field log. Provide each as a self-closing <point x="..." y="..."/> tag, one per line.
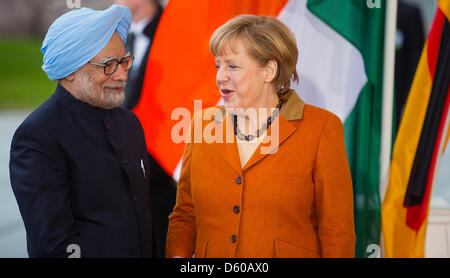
<point x="390" y="29"/>
<point x="388" y="93"/>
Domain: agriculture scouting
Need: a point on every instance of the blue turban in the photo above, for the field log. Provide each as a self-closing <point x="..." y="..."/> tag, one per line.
<point x="79" y="35"/>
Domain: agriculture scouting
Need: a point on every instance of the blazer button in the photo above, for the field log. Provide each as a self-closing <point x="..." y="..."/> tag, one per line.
<point x="124" y="162"/>
<point x="233" y="238"/>
<point x="236" y="209"/>
<point x="135" y="199"/>
<point x="239" y="180"/>
<point x="108" y="127"/>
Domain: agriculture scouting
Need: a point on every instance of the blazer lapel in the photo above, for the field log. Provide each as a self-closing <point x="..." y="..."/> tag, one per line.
<point x="291" y="110"/>
<point x="228" y="147"/>
<point x="284" y="130"/>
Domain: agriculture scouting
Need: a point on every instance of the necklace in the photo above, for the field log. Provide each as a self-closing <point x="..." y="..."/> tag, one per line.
<point x="260" y="131"/>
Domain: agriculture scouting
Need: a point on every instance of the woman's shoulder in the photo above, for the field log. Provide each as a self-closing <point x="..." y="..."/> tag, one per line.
<point x="316" y="120"/>
<point x="314" y="115"/>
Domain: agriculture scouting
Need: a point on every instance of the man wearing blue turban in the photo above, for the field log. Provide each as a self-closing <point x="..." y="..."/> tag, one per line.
<point x="79" y="164"/>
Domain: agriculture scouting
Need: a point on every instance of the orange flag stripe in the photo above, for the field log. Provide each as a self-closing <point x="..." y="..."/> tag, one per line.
<point x="181" y="68"/>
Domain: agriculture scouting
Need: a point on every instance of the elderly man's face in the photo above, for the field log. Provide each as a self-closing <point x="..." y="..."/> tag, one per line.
<point x="98" y="89"/>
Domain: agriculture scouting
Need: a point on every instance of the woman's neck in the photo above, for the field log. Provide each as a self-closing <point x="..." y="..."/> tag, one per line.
<point x="253" y="118"/>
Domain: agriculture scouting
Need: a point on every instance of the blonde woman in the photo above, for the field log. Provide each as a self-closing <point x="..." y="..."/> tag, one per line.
<point x="234" y="199"/>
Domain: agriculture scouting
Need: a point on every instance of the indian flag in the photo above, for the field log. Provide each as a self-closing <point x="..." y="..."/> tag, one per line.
<point x="340" y="66"/>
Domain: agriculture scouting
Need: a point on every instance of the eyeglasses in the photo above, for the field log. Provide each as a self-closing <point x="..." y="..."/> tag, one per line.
<point x="110" y="66"/>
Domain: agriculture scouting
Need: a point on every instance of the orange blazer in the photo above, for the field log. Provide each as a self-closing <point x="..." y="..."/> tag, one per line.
<point x="296" y="201"/>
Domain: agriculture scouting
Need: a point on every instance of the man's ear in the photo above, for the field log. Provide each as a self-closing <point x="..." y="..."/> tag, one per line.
<point x="271" y="70"/>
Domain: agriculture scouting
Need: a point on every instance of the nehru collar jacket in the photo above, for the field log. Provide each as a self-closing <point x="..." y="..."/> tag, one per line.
<point x="80" y="176"/>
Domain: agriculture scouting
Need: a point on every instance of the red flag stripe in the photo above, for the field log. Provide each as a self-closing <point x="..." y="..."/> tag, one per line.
<point x="434" y="39"/>
<point x="416" y="215"/>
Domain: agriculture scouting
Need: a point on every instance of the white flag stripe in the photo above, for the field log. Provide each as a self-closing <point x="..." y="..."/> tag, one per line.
<point x="331" y="70"/>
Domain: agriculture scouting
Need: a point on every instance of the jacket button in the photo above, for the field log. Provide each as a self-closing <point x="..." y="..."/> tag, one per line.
<point x="233" y="238"/>
<point x="236" y="209"/>
<point x="239" y="180"/>
<point x="108" y="127"/>
<point x="124" y="162"/>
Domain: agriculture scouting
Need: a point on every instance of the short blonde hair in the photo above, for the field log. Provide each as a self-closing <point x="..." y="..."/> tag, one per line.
<point x="266" y="39"/>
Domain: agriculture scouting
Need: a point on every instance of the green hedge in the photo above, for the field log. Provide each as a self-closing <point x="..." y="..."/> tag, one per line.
<point x="23" y="84"/>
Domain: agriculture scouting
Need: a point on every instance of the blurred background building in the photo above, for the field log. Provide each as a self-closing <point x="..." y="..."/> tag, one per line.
<point x="33" y="17"/>
<point x="23" y="86"/>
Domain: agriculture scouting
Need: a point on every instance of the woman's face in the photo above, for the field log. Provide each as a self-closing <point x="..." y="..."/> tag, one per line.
<point x="241" y="80"/>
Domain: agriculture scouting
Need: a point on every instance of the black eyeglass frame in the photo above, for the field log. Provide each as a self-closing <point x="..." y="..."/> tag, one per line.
<point x="117" y="63"/>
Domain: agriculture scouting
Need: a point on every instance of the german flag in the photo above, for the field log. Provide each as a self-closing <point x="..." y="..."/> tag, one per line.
<point x="419" y="145"/>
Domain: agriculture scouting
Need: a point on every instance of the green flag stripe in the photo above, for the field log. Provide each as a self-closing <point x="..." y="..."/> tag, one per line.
<point x="364" y="28"/>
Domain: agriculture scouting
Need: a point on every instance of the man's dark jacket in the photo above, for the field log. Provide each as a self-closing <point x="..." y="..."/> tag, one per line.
<point x="163" y="186"/>
<point x="80" y="176"/>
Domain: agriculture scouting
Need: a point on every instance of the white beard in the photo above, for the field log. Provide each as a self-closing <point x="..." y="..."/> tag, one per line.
<point x="99" y="98"/>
